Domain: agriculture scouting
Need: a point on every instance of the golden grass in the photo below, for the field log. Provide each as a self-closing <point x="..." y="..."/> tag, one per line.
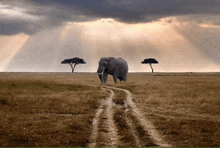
<point x="37" y="111"/>
<point x="56" y="109"/>
<point x="184" y="107"/>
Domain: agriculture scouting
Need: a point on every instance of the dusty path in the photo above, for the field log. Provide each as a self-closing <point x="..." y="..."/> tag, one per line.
<point x="146" y="124"/>
<point x="122" y="124"/>
<point x="104" y="130"/>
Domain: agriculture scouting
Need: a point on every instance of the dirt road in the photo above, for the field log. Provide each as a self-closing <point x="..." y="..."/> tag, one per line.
<point x="121" y="123"/>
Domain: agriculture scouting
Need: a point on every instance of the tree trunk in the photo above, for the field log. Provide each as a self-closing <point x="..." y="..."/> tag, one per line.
<point x="73" y="67"/>
<point x="152" y="68"/>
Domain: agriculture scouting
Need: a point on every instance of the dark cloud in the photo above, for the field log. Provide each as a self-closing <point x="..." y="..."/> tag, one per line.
<point x="50" y="13"/>
<point x="11" y="27"/>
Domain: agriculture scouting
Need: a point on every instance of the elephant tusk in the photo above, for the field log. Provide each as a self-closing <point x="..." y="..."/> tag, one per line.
<point x="101" y="73"/>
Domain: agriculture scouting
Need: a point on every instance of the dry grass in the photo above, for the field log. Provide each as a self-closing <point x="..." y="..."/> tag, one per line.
<point x="37" y="110"/>
<point x="56" y="109"/>
<point x="120" y="118"/>
<point x="126" y="136"/>
<point x="184" y="107"/>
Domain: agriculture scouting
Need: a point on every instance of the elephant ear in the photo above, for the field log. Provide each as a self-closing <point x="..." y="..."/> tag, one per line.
<point x="105" y="63"/>
<point x="112" y="64"/>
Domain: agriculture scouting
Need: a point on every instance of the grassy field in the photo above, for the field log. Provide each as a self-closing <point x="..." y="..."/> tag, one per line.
<point x="185" y="108"/>
<point x="45" y="110"/>
<point x="56" y="109"/>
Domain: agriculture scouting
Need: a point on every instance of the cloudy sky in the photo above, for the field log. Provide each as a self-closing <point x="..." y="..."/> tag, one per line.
<point x="183" y="35"/>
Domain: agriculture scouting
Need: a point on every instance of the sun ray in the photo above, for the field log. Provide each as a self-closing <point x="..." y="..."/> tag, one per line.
<point x="10" y="46"/>
<point x="111" y="38"/>
<point x="107" y="37"/>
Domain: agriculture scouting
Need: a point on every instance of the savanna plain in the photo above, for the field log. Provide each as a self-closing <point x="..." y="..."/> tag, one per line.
<point x="75" y="109"/>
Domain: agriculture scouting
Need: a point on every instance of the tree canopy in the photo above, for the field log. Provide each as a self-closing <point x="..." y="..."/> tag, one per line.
<point x="74" y="61"/>
<point x="150" y="61"/>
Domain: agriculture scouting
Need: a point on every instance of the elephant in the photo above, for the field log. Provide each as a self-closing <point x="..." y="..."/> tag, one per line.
<point x="117" y="67"/>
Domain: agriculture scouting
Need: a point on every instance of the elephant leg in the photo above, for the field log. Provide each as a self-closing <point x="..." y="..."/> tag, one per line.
<point x="125" y="78"/>
<point x="105" y="75"/>
<point x="121" y="78"/>
<point x="115" y="78"/>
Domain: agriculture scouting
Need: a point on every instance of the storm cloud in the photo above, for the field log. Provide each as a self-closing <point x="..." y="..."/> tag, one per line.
<point x="183" y="35"/>
<point x="31" y="16"/>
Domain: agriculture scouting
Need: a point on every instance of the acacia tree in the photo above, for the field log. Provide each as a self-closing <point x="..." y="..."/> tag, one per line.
<point x="150" y="61"/>
<point x="74" y="61"/>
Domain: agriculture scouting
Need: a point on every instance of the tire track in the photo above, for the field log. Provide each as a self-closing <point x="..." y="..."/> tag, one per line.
<point x="132" y="127"/>
<point x="122" y="124"/>
<point x="126" y="130"/>
<point x="104" y="132"/>
<point x="146" y="124"/>
<point x="95" y="122"/>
